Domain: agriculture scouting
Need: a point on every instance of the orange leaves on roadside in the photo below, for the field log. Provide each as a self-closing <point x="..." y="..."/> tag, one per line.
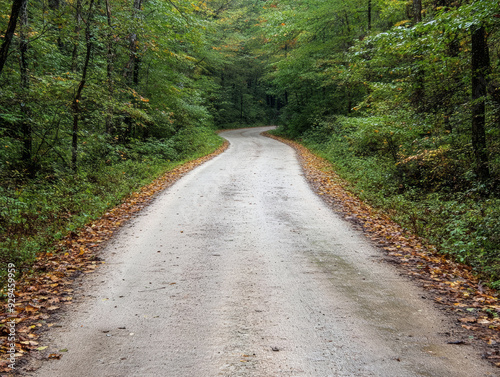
<point x="467" y="320"/>
<point x="451" y="284"/>
<point x="48" y="289"/>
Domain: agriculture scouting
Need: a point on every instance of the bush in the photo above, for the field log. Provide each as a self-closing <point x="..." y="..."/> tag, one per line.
<point x="434" y="169"/>
<point x="153" y="149"/>
<point x="194" y="140"/>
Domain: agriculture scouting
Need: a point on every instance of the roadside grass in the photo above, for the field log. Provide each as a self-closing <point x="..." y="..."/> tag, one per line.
<point x="464" y="225"/>
<point x="34" y="214"/>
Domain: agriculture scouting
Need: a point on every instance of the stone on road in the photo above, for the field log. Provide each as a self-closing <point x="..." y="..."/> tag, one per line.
<point x="239" y="269"/>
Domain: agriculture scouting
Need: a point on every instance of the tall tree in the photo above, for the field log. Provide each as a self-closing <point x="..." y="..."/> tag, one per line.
<point x="17" y="6"/>
<point x="78" y="96"/>
<point x="480" y="68"/>
<point x="417" y="11"/>
<point x="23" y="62"/>
<point x="369" y="15"/>
<point x="131" y="71"/>
<point x="76" y="40"/>
<point x="109" y="67"/>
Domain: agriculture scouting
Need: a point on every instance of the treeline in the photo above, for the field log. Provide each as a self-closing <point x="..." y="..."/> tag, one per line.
<point x="427" y="65"/>
<point x="83" y="76"/>
<point x="98" y="97"/>
<point x="404" y="98"/>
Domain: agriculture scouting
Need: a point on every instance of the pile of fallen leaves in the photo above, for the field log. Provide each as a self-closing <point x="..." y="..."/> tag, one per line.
<point x="48" y="287"/>
<point x="452" y="285"/>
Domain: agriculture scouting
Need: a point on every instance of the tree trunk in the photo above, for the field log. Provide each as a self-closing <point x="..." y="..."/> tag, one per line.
<point x="131" y="72"/>
<point x="137" y="64"/>
<point x="417" y="11"/>
<point x="348" y="27"/>
<point x="78" y="20"/>
<point x="23" y="45"/>
<point x="109" y="70"/>
<point x="349" y="99"/>
<point x="241" y="105"/>
<point x="78" y="96"/>
<point x="17" y="5"/>
<point x="480" y="68"/>
<point x="369" y="15"/>
<point x="55" y="5"/>
<point x="23" y="63"/>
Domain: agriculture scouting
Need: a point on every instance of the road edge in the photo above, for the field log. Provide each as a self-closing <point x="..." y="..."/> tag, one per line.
<point x="452" y="286"/>
<point x="47" y="291"/>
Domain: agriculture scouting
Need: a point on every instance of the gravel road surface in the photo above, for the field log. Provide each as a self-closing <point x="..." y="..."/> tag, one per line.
<point x="239" y="269"/>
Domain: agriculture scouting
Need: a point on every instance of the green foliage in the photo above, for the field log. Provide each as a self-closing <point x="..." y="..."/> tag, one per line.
<point x="195" y="141"/>
<point x="239" y="96"/>
<point x="146" y="104"/>
<point x="154" y="149"/>
<point x="50" y="206"/>
<point x="459" y="223"/>
<point x="392" y="108"/>
<point x="387" y="99"/>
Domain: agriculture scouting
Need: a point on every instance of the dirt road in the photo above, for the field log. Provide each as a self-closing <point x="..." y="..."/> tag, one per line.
<point x="240" y="270"/>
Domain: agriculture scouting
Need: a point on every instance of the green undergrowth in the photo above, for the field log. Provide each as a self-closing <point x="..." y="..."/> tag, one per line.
<point x="37" y="212"/>
<point x="463" y="224"/>
<point x="238" y="125"/>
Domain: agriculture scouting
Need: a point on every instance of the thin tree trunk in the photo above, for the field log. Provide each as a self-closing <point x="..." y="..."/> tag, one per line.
<point x="110" y="62"/>
<point x="349" y="99"/>
<point x="419" y="92"/>
<point x="78" y="20"/>
<point x="23" y="62"/>
<point x="348" y="27"/>
<point x="131" y="72"/>
<point x="137" y="64"/>
<point x="17" y="5"/>
<point x="241" y="105"/>
<point x="78" y="96"/>
<point x="480" y="68"/>
<point x="417" y="11"/>
<point x="137" y="58"/>
<point x="23" y="45"/>
<point x="54" y="5"/>
<point x="369" y="15"/>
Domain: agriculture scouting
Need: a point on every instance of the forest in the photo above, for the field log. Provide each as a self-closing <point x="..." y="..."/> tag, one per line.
<point x="99" y="97"/>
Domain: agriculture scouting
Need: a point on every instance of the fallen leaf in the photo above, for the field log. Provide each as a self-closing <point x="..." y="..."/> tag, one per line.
<point x="467" y="320"/>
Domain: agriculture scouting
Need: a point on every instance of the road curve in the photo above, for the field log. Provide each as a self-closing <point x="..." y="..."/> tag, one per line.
<point x="239" y="269"/>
